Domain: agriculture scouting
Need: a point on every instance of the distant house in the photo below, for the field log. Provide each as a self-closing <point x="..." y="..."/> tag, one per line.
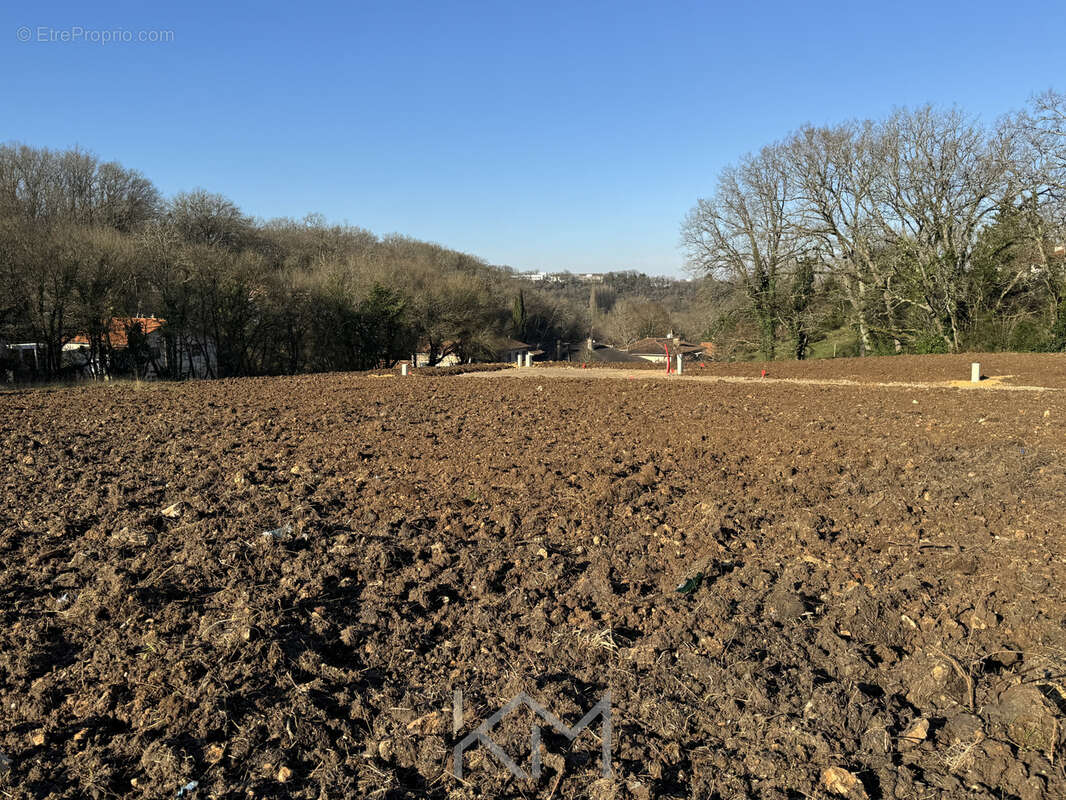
<point x="504" y="350"/>
<point x="449" y="359"/>
<point x="117" y="356"/>
<point x="139" y="346"/>
<point x="508" y="350"/>
<point x="658" y="350"/>
<point x="596" y="352"/>
<point x="183" y="358"/>
<point x="119" y="332"/>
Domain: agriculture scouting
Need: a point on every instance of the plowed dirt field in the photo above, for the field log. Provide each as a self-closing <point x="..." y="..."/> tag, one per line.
<point x="271" y="588"/>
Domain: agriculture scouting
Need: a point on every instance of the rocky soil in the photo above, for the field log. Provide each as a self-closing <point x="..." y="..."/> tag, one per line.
<point x="273" y="588"/>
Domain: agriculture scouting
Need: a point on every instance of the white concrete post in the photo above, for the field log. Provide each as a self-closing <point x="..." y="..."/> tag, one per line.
<point x="403" y="369"/>
<point x="679" y="364"/>
<point x="975" y="372"/>
<point x="529" y="359"/>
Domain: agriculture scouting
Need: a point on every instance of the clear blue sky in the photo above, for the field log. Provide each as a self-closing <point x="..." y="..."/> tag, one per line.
<point x="545" y="135"/>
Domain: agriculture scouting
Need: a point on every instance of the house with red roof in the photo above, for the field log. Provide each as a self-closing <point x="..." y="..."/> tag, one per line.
<point x="139" y="345"/>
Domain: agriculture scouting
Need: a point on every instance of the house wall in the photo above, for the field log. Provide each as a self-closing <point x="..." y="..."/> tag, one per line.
<point x="195" y="361"/>
<point x="450" y="360"/>
<point x="509" y="356"/>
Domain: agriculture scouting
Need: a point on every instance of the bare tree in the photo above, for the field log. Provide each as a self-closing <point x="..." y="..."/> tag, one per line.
<point x="637" y="318"/>
<point x="125" y="199"/>
<point x="942" y="178"/>
<point x="201" y="217"/>
<point x="1040" y="176"/>
<point x="836" y="171"/>
<point x="748" y="232"/>
<point x="1047" y="123"/>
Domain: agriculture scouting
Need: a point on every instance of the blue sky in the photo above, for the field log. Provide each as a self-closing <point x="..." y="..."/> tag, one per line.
<point x="542" y="135"/>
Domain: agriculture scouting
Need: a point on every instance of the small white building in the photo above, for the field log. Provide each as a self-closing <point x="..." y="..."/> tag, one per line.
<point x="508" y="350"/>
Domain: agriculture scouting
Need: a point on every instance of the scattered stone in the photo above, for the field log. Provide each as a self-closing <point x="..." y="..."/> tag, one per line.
<point x="37" y="738"/>
<point x="214" y="753"/>
<point x="839" y="781"/>
<point x="5" y="763"/>
<point x="173" y="510"/>
<point x="915" y="734"/>
<point x="284" y="774"/>
<point x="385" y="749"/>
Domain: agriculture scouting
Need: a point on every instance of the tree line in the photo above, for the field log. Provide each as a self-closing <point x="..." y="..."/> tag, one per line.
<point x="925" y="231"/>
<point x="83" y="242"/>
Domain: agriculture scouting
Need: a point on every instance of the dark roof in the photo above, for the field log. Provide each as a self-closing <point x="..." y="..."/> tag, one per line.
<point x="655" y="347"/>
<point x="602" y="352"/>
